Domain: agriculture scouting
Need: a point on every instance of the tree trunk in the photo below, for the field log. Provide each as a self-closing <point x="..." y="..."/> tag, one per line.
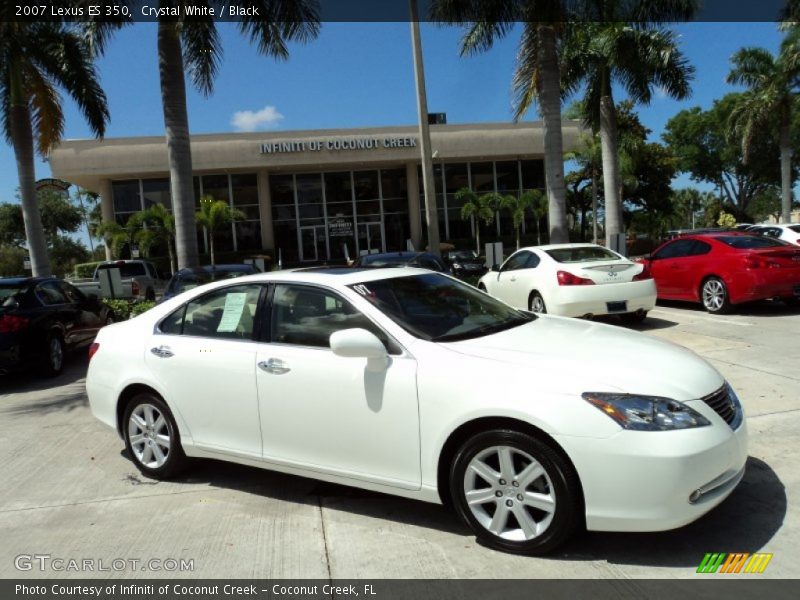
<point x="517" y="237"/>
<point x="211" y="242"/>
<point x="171" y="257"/>
<point x="478" y="235"/>
<point x="594" y="204"/>
<point x="176" y="123"/>
<point x="786" y="173"/>
<point x="21" y="132"/>
<point x="608" y="143"/>
<point x="550" y="108"/>
<point x="538" y="231"/>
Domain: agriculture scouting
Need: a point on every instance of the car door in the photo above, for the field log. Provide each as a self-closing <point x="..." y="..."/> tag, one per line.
<point x="508" y="284"/>
<point x="203" y="357"/>
<point x="88" y="314"/>
<point x="58" y="309"/>
<point x="670" y="268"/>
<point x="328" y="413"/>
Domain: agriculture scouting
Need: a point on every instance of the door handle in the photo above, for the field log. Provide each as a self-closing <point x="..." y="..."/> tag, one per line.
<point x="275" y="366"/>
<point x="513" y="279"/>
<point x="162" y="352"/>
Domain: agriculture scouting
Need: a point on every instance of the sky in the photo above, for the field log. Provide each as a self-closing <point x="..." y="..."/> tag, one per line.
<point x="360" y="75"/>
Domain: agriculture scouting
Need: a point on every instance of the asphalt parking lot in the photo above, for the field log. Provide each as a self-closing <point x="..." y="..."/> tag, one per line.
<point x="68" y="491"/>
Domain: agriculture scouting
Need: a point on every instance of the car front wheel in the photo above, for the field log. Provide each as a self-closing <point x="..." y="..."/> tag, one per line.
<point x="714" y="295"/>
<point x="536" y="303"/>
<point x="151" y="437"/>
<point x="516" y="492"/>
<point x="54" y="360"/>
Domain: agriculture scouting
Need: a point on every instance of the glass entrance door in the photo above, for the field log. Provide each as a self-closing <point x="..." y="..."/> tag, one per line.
<point x="370" y="238"/>
<point x="312" y="243"/>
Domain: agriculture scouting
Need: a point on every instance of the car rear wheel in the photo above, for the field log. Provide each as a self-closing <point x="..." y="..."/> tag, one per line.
<point x="714" y="296"/>
<point x="516" y="492"/>
<point x="54" y="360"/>
<point x="151" y="437"/>
<point x="536" y="303"/>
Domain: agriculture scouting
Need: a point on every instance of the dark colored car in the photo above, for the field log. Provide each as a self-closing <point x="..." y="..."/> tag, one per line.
<point x="43" y="318"/>
<point x="723" y="269"/>
<point x="189" y="278"/>
<point x="424" y="260"/>
<point x="465" y="262"/>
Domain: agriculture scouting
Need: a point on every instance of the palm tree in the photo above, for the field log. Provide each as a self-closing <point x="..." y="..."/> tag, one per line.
<point x="478" y="209"/>
<point x="118" y="236"/>
<point x="620" y="47"/>
<point x="213" y="215"/>
<point x="160" y="231"/>
<point x="536" y="78"/>
<point x="36" y="58"/>
<point x="518" y="206"/>
<point x="771" y="101"/>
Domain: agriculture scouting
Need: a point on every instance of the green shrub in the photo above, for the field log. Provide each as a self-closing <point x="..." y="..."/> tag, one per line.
<point x="121" y="308"/>
<point x="140" y="307"/>
<point x="86" y="269"/>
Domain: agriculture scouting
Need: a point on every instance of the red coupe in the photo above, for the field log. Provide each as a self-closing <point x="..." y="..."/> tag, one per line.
<point x="722" y="269"/>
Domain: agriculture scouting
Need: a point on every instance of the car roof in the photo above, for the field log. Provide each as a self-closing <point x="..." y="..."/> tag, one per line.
<point x="558" y="246"/>
<point x="20" y="281"/>
<point x="330" y="275"/>
<point x="212" y="268"/>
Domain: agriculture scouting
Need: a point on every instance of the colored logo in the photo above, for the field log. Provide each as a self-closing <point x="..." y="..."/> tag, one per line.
<point x="737" y="562"/>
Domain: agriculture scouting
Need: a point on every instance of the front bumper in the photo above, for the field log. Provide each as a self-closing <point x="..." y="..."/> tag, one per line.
<point x="649" y="481"/>
<point x="581" y="300"/>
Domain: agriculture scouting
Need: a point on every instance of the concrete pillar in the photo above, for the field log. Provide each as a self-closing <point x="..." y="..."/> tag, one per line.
<point x="106" y="208"/>
<point x="265" y="210"/>
<point x="415" y="222"/>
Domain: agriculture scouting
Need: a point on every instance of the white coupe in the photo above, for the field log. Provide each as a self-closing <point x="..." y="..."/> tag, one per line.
<point x="413" y="383"/>
<point x="573" y="280"/>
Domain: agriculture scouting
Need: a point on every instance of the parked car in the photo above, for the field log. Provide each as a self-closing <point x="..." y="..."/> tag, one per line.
<point x="140" y="279"/>
<point x="424" y="260"/>
<point x="573" y="280"/>
<point x="465" y="262"/>
<point x="724" y="269"/>
<point x="190" y="278"/>
<point x="42" y="318"/>
<point x="413" y="383"/>
<point x="787" y="233"/>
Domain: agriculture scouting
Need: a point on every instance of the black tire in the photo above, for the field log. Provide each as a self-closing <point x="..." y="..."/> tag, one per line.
<point x="634" y="318"/>
<point x="54" y="356"/>
<point x="559" y="481"/>
<point x="714" y="296"/>
<point x="150" y="295"/>
<point x="535" y="301"/>
<point x="174" y="458"/>
<point x="791" y="301"/>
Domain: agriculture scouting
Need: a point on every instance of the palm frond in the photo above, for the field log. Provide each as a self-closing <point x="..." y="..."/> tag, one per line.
<point x="202" y="52"/>
<point x="280" y="21"/>
<point x="47" y="116"/>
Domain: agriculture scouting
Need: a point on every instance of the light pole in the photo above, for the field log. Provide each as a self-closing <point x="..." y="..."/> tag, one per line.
<point x="431" y="216"/>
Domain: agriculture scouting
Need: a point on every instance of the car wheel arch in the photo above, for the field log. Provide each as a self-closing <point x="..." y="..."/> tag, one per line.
<point x="463" y="432"/>
<point x="698" y="289"/>
<point x="130" y="391"/>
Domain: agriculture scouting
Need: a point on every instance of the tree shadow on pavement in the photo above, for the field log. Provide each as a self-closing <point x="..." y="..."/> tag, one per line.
<point x="32" y="380"/>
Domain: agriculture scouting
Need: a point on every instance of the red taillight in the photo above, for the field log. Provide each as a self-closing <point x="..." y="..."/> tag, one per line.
<point x="645" y="274"/>
<point x="11" y="323"/>
<point x="93" y="348"/>
<point x="134" y="288"/>
<point x="566" y="278"/>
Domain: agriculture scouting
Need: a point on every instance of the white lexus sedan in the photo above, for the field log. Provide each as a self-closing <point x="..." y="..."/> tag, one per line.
<point x="573" y="280"/>
<point x="413" y="383"/>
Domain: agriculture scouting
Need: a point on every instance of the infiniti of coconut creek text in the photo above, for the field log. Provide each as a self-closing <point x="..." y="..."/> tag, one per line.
<point x="109" y="591"/>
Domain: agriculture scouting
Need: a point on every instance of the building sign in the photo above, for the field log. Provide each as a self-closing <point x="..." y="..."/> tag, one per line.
<point x="335" y="144"/>
<point x="58" y="185"/>
<point x="340" y="227"/>
<point x="26" y="262"/>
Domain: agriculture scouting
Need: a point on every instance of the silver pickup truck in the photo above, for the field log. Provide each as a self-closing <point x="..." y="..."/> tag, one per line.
<point x="140" y="280"/>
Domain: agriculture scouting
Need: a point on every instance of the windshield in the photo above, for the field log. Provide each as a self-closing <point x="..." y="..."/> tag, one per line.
<point x="126" y="270"/>
<point x="187" y="281"/>
<point x="749" y="242"/>
<point x="582" y="254"/>
<point x="463" y="255"/>
<point x="436" y="308"/>
<point x="391" y="260"/>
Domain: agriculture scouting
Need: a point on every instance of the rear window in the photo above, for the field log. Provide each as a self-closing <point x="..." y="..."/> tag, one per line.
<point x="582" y="254"/>
<point x="7" y="292"/>
<point x="384" y="261"/>
<point x="749" y="242"/>
<point x="126" y="270"/>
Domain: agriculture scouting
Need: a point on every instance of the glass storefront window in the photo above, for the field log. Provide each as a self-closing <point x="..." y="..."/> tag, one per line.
<point x="340" y="209"/>
<point x="532" y="175"/>
<point x="248" y="235"/>
<point x="338" y="187"/>
<point x="156" y="191"/>
<point x="393" y="183"/>
<point x="507" y="177"/>
<point x="456" y="177"/>
<point x="245" y="189"/>
<point x="126" y="196"/>
<point x="310" y="211"/>
<point x="281" y="190"/>
<point x="366" y="185"/>
<point x="368" y="207"/>
<point x="482" y="177"/>
<point x="309" y="189"/>
<point x="216" y="186"/>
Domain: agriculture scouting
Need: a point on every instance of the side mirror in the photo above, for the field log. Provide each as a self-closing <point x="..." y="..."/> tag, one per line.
<point x="360" y="343"/>
<point x="496" y="267"/>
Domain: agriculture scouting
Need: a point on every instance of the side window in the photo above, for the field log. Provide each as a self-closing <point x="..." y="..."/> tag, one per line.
<point x="699" y="248"/>
<point x="676" y="249"/>
<point x="228" y="313"/>
<point x="73" y="294"/>
<point x="517" y="261"/>
<point x="49" y="293"/>
<point x="307" y="316"/>
<point x="533" y="261"/>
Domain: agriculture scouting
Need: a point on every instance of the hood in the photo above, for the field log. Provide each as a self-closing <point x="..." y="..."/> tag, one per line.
<point x="577" y="356"/>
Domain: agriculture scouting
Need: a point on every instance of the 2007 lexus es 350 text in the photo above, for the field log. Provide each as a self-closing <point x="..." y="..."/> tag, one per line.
<point x="413" y="383"/>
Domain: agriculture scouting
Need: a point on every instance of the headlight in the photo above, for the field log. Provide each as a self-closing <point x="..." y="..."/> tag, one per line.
<point x="646" y="413"/>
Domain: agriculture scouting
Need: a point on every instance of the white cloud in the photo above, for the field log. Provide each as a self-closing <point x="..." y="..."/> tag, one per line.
<point x="248" y="120"/>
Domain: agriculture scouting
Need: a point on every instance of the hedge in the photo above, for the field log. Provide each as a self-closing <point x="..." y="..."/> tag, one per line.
<point x="86" y="269"/>
<point x="127" y="309"/>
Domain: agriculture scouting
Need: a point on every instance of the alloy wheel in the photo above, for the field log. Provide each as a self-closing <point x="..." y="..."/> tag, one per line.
<point x="149" y="436"/>
<point x="713" y="295"/>
<point x="56" y="354"/>
<point x="509" y="493"/>
<point x="537" y="303"/>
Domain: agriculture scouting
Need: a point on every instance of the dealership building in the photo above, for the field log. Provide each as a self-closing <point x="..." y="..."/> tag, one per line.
<point x="320" y="195"/>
